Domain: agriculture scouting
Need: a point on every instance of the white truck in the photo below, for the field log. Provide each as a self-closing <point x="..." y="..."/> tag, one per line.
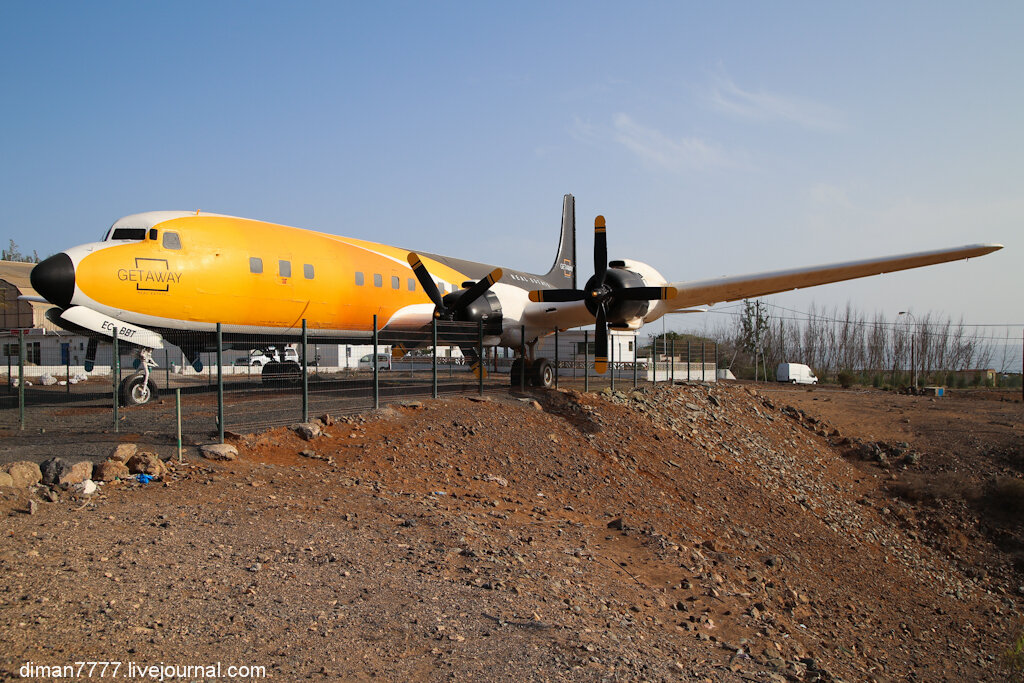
<point x="795" y="373"/>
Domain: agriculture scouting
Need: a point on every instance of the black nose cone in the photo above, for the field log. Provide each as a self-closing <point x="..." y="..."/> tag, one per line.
<point x="54" y="279"/>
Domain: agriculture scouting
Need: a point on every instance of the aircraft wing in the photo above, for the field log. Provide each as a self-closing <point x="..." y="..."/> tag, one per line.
<point x="732" y="288"/>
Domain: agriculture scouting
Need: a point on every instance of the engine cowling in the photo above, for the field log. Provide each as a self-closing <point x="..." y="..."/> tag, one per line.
<point x="486" y="308"/>
<point x="627" y="274"/>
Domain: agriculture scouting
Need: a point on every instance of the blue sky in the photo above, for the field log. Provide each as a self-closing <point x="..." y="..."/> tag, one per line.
<point x="717" y="138"/>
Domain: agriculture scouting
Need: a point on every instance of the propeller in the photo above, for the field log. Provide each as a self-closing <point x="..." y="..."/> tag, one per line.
<point x="456" y="309"/>
<point x="605" y="296"/>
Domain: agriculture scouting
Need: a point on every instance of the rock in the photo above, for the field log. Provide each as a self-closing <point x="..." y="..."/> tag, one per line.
<point x="218" y="451"/>
<point x="86" y="488"/>
<point x="52" y="470"/>
<point x="146" y="463"/>
<point x="47" y="380"/>
<point x="24" y="474"/>
<point x="500" y="481"/>
<point x="5" y="480"/>
<point x="327" y="420"/>
<point x="306" y="430"/>
<point x="76" y="474"/>
<point x="123" y="452"/>
<point x="616" y="524"/>
<point x="109" y="470"/>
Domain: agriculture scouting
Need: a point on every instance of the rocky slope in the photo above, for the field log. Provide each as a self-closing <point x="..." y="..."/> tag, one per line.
<point x="684" y="533"/>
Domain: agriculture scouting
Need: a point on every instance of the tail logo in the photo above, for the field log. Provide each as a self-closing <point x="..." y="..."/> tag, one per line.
<point x="567" y="268"/>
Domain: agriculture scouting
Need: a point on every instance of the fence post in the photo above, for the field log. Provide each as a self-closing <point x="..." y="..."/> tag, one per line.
<point x="305" y="373"/>
<point x="376" y="375"/>
<point x="115" y="372"/>
<point x="672" y="355"/>
<point x="21" y="378"/>
<point x="634" y="360"/>
<point x="703" y="361"/>
<point x="481" y="369"/>
<point x="220" y="383"/>
<point x="522" y="358"/>
<point x="433" y="360"/>
<point x="716" y="362"/>
<point x="586" y="360"/>
<point x="177" y="411"/>
<point x="611" y="359"/>
<point x="167" y="368"/>
<point x="556" y="358"/>
<point x="687" y="360"/>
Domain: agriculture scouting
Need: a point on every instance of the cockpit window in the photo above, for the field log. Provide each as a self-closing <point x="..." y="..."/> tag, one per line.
<point x="172" y="241"/>
<point x="129" y="234"/>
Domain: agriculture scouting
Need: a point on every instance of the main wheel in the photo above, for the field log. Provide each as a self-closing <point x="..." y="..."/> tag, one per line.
<point x="542" y="373"/>
<point x="288" y="372"/>
<point x="136" y="392"/>
<point x="517" y="364"/>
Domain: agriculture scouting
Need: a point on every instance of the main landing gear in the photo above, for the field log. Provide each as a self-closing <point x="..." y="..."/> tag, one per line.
<point x="539" y="373"/>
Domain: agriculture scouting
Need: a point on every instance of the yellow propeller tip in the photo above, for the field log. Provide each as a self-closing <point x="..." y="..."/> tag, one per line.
<point x="599" y="222"/>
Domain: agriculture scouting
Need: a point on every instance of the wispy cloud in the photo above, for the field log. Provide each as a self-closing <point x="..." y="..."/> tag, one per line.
<point x="728" y="97"/>
<point x="656" y="148"/>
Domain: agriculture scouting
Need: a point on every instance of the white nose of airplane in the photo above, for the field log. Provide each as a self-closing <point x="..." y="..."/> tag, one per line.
<point x="54" y="279"/>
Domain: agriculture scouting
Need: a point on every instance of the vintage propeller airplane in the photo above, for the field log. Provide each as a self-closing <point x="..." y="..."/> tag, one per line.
<point x="173" y="275"/>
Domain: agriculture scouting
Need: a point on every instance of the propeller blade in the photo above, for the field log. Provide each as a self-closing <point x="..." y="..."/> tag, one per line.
<point x="478" y="289"/>
<point x="556" y="295"/>
<point x="601" y="341"/>
<point x="646" y="293"/>
<point x="600" y="251"/>
<point x="90" y="354"/>
<point x="426" y="282"/>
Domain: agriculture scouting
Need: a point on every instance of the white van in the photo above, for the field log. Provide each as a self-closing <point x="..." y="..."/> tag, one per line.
<point x="795" y="373"/>
<point x="383" y="362"/>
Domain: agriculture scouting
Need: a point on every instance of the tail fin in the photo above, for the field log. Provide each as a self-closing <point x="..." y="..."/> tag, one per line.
<point x="563" y="272"/>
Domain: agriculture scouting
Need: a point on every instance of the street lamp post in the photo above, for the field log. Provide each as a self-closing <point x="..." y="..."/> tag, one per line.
<point x="913" y="340"/>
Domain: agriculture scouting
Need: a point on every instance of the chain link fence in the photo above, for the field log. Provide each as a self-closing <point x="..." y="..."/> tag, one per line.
<point x="258" y="380"/>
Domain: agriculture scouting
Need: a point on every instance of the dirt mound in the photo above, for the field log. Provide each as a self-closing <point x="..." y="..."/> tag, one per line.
<point x="694" y="532"/>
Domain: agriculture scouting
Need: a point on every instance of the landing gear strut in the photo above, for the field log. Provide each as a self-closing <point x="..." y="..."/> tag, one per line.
<point x="140" y="388"/>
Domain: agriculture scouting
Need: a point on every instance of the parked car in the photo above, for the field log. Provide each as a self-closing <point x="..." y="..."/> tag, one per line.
<point x="260" y="357"/>
<point x="383" y="361"/>
<point x="795" y="373"/>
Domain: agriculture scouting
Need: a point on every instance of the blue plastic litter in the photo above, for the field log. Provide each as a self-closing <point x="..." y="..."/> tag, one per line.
<point x="144" y="478"/>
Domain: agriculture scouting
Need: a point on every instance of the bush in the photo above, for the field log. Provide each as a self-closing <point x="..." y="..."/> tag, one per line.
<point x="1006" y="496"/>
<point x="845" y="379"/>
<point x="1013" y="657"/>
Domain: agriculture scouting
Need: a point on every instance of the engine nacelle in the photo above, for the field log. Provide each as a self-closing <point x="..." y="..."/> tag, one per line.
<point x="625" y="274"/>
<point x="486" y="308"/>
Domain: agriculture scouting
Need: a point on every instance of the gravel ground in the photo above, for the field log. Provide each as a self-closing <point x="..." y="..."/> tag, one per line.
<point x="687" y="533"/>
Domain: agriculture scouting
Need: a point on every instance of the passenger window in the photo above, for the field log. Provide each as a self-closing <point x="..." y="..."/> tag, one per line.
<point x="359" y="279"/>
<point x="171" y="239"/>
<point x="307" y="270"/>
<point x="396" y="283"/>
<point x="412" y="285"/>
<point x="378" y="280"/>
<point x="255" y="264"/>
<point x="152" y="234"/>
<point x="284" y="268"/>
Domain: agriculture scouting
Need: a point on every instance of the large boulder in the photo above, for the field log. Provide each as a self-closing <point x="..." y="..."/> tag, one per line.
<point x="5" y="480"/>
<point x="24" y="474"/>
<point x="76" y="474"/>
<point x="307" y="430"/>
<point x="52" y="470"/>
<point x="123" y="452"/>
<point x="146" y="463"/>
<point x="109" y="470"/>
